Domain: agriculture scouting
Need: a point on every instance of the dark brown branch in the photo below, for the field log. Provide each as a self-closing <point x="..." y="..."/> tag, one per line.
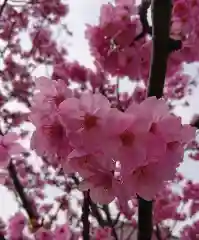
<point x="96" y="213"/>
<point x="146" y="28"/>
<point x="173" y="44"/>
<point x="2" y="7"/>
<point x="115" y="221"/>
<point x="145" y="219"/>
<point x="109" y="221"/>
<point x="196" y="125"/>
<point x="85" y="217"/>
<point x="2" y="237"/>
<point x="21" y="193"/>
<point x="195" y="121"/>
<point x="161" y="15"/>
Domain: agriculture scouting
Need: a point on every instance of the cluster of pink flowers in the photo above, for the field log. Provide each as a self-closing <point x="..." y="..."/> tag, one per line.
<point x="114" y="46"/>
<point x="61" y="232"/>
<point x="136" y="150"/>
<point x="103" y="234"/>
<point x="19" y="228"/>
<point x="113" y="151"/>
<point x="110" y="43"/>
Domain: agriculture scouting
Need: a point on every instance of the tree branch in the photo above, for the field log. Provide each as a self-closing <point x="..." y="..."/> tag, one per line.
<point x="2" y="7"/>
<point x="2" y="237"/>
<point x="195" y="121"/>
<point x="146" y="28"/>
<point x="20" y="191"/>
<point x="173" y="44"/>
<point x="85" y="216"/>
<point x="96" y="213"/>
<point x="161" y="15"/>
<point x="109" y="221"/>
<point x="145" y="219"/>
<point x="115" y="221"/>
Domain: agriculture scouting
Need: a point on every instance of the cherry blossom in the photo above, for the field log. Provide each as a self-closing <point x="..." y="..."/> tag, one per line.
<point x="95" y="146"/>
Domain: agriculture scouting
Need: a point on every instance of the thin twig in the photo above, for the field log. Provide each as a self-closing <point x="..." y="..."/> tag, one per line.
<point x="94" y="208"/>
<point x="109" y="220"/>
<point x="116" y="219"/>
<point x="20" y="191"/>
<point x="131" y="234"/>
<point x="2" y="237"/>
<point x="96" y="213"/>
<point x="54" y="216"/>
<point x="3" y="6"/>
<point x="146" y="28"/>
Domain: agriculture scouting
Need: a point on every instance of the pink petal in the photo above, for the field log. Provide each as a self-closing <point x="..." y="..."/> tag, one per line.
<point x="4" y="157"/>
<point x="68" y="169"/>
<point x="157" y="107"/>
<point x="62" y="88"/>
<point x="156" y="148"/>
<point x="45" y="85"/>
<point x="170" y="128"/>
<point x="101" y="195"/>
<point x="3" y="175"/>
<point x="9" y="138"/>
<point x="134" y="108"/>
<point x="100" y="101"/>
<point x="70" y="113"/>
<point x="16" y="148"/>
<point x="77" y="153"/>
<point x="86" y="102"/>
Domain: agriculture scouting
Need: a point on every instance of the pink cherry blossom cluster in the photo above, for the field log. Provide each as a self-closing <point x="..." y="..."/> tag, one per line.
<point x="114" y="46"/>
<point x="80" y="131"/>
<point x="103" y="234"/>
<point x="134" y="151"/>
<point x="17" y="229"/>
<point x="60" y="233"/>
<point x="78" y="73"/>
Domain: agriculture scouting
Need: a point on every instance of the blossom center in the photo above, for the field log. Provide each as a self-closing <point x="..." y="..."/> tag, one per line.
<point x="172" y="145"/>
<point x="55" y="130"/>
<point x="153" y="128"/>
<point x="59" y="99"/>
<point x="139" y="172"/>
<point x="127" y="138"/>
<point x="90" y="121"/>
